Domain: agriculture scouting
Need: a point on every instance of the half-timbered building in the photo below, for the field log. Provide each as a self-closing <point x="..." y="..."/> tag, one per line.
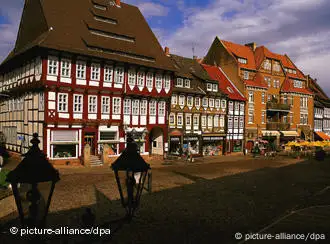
<point x="85" y="72"/>
<point x="198" y="109"/>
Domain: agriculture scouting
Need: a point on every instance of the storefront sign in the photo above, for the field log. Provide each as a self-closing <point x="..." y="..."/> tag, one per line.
<point x="175" y="139"/>
<point x="190" y="138"/>
<point x="212" y="138"/>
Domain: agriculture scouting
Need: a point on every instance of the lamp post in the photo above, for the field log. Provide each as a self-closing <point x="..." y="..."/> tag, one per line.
<point x="34" y="171"/>
<point x="130" y="170"/>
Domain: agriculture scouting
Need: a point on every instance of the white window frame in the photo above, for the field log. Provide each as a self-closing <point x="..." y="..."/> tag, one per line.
<point x="167" y="84"/>
<point x="246" y="75"/>
<point x="62" y="102"/>
<point x="210" y="121"/>
<point x="216" y="121"/>
<point x="150" y="80"/>
<point x="182" y="100"/>
<point x="172" y="119"/>
<point x="66" y="67"/>
<point x="211" y="102"/>
<point x="250" y="116"/>
<point x="263" y="97"/>
<point x="242" y="60"/>
<point x="190" y="101"/>
<point x="153" y="108"/>
<point x="161" y="108"/>
<point x="135" y="107"/>
<point x="159" y="81"/>
<point x="251" y="97"/>
<point x="131" y="77"/>
<point x="196" y="120"/>
<point x="187" y="83"/>
<point x="215" y="87"/>
<point x="108" y="73"/>
<point x="217" y="103"/>
<point x="188" y="119"/>
<point x="197" y="101"/>
<point x="95" y="71"/>
<point x="119" y="75"/>
<point x="92" y="104"/>
<point x="209" y="86"/>
<point x="116" y="105"/>
<point x="105" y="105"/>
<point x="52" y="66"/>
<point x="179" y="82"/>
<point x="127" y="106"/>
<point x="179" y="119"/>
<point x="143" y="107"/>
<point x="81" y="70"/>
<point x="204" y="118"/>
<point x="223" y="104"/>
<point x="140" y="81"/>
<point x="205" y="102"/>
<point x="174" y="100"/>
<point x="78" y="101"/>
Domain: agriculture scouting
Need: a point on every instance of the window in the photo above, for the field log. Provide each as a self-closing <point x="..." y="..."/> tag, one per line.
<point x="209" y="121"/>
<point x="187" y="83"/>
<point x="211" y="103"/>
<point x="217" y="103"/>
<point x="161" y="108"/>
<point x="38" y="68"/>
<point x="189" y="101"/>
<point x="149" y="79"/>
<point x="267" y="64"/>
<point x="236" y="122"/>
<point x="140" y="78"/>
<point x="131" y="77"/>
<point x="246" y="75"/>
<point x="304" y="119"/>
<point x="285" y="99"/>
<point x="303" y="102"/>
<point x="188" y="119"/>
<point x="181" y="100"/>
<point x="64" y="144"/>
<point x="143" y="107"/>
<point x="236" y="106"/>
<point x="180" y="120"/>
<point x="119" y="75"/>
<point x="172" y="119"/>
<point x="105" y="105"/>
<point x="276" y="84"/>
<point x="108" y="72"/>
<point x="197" y="101"/>
<point x="196" y="120"/>
<point x="52" y="66"/>
<point x="263" y="97"/>
<point x="152" y="108"/>
<point x="204" y="120"/>
<point x="92" y="104"/>
<point x="116" y="105"/>
<point x="209" y="86"/>
<point x="216" y="121"/>
<point x="298" y="83"/>
<point x="230" y="123"/>
<point x="276" y="67"/>
<point x="241" y="122"/>
<point x="205" y="102"/>
<point x="65" y="68"/>
<point x="263" y="117"/>
<point x="179" y="82"/>
<point x="167" y="84"/>
<point x="95" y="71"/>
<point x="231" y="106"/>
<point x="77" y="103"/>
<point x="135" y="107"/>
<point x="242" y="60"/>
<point x="251" y="116"/>
<point x="268" y="81"/>
<point x="81" y="70"/>
<point x="127" y="106"/>
<point x="159" y="84"/>
<point x="174" y="99"/>
<point x="251" y="97"/>
<point x="62" y="102"/>
<point x="222" y="121"/>
<point x="223" y="104"/>
<point x="215" y="87"/>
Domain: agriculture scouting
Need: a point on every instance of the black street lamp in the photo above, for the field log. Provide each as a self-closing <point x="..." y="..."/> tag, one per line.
<point x="32" y="173"/>
<point x="130" y="171"/>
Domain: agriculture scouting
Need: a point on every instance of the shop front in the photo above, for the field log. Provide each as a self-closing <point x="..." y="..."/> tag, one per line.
<point x="175" y="142"/>
<point x="191" y="142"/>
<point x="212" y="145"/>
<point x="287" y="136"/>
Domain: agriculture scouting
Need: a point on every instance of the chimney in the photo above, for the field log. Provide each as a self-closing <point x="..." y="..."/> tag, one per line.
<point x="167" y="51"/>
<point x="252" y="45"/>
<point x="118" y="3"/>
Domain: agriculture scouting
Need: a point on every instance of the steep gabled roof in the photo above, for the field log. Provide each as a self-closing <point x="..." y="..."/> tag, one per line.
<point x="262" y="52"/>
<point x="287" y="63"/>
<point x="287" y="86"/>
<point x="225" y="84"/>
<point x="318" y="91"/>
<point x="77" y="26"/>
<point x="241" y="51"/>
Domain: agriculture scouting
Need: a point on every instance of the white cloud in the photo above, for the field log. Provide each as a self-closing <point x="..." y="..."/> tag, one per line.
<point x="153" y="9"/>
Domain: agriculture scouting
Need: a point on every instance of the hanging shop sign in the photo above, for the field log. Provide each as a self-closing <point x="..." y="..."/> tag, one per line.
<point x="176" y="139"/>
<point x="212" y="138"/>
<point x="190" y="138"/>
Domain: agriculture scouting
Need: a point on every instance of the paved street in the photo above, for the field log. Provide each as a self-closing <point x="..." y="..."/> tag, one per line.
<point x="202" y="202"/>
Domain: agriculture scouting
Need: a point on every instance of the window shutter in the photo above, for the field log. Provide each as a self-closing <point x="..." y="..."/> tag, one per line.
<point x="64" y="135"/>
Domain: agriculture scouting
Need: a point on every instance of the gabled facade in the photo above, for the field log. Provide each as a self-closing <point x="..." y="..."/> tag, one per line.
<point x="198" y="110"/>
<point x="321" y="111"/>
<point x="274" y="111"/>
<point x="85" y="77"/>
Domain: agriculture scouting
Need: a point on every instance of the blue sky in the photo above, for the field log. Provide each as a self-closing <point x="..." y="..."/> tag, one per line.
<point x="299" y="28"/>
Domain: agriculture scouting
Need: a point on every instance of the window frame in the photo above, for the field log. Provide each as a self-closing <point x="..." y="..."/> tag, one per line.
<point x="93" y="105"/>
<point x="62" y="102"/>
<point x="77" y="103"/>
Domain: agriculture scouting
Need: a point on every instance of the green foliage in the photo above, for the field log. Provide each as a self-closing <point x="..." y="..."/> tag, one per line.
<point x="3" y="176"/>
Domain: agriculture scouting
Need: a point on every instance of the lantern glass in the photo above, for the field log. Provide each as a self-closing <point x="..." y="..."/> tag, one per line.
<point x="130" y="185"/>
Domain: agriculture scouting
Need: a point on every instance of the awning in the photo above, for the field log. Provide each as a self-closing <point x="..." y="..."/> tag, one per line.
<point x="322" y="135"/>
<point x="270" y="133"/>
<point x="289" y="133"/>
<point x="175" y="133"/>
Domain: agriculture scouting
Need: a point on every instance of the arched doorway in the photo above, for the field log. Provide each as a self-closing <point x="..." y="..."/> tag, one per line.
<point x="156" y="140"/>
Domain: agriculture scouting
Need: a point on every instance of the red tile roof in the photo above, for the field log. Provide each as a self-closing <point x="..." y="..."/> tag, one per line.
<point x="241" y="51"/>
<point x="258" y="81"/>
<point x="288" y="87"/>
<point x="224" y="84"/>
<point x="262" y="52"/>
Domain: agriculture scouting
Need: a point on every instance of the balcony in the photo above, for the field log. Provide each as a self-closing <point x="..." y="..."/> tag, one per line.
<point x="277" y="126"/>
<point x="280" y="107"/>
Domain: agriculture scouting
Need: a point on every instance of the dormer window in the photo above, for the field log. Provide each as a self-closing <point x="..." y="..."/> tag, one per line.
<point x="298" y="84"/>
<point x="131" y="77"/>
<point x="242" y="60"/>
<point x="209" y="87"/>
<point x="246" y="75"/>
<point x="140" y="78"/>
<point x="276" y="67"/>
<point x="267" y="64"/>
<point x="187" y="83"/>
<point x="179" y="82"/>
<point x="215" y="87"/>
<point x="294" y="71"/>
